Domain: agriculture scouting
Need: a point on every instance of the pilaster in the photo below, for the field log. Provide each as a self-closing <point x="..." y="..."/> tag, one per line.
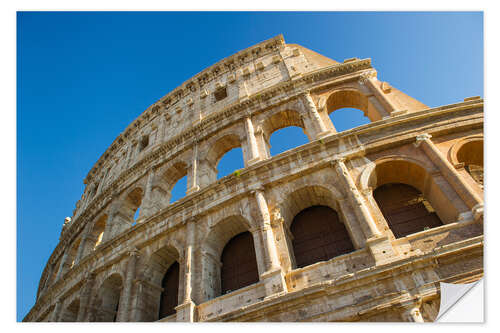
<point x="125" y="298"/>
<point x="312" y="111"/>
<point x="463" y="189"/>
<point x="270" y="269"/>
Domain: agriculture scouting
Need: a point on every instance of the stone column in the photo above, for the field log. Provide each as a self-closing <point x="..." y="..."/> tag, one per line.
<point x="146" y="202"/>
<point x="463" y="189"/>
<point x="379" y="244"/>
<point x="270" y="270"/>
<point x="253" y="149"/>
<point x="262" y="143"/>
<point x="160" y="134"/>
<point x="112" y="219"/>
<point x="321" y="130"/>
<point x="362" y="213"/>
<point x="412" y="313"/>
<point x="192" y="176"/>
<point x="63" y="264"/>
<point x="125" y="297"/>
<point x="186" y="310"/>
<point x="85" y="294"/>
<point x="57" y="311"/>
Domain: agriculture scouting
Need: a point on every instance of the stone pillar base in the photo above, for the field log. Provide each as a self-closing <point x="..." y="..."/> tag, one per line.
<point x="186" y="312"/>
<point x="382" y="250"/>
<point x="478" y="212"/>
<point x="323" y="134"/>
<point x="274" y="283"/>
<point x="253" y="161"/>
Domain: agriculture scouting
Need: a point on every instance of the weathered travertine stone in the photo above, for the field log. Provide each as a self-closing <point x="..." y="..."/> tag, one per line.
<point x="110" y="267"/>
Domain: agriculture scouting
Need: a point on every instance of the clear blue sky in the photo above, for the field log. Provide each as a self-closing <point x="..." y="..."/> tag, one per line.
<point x="83" y="77"/>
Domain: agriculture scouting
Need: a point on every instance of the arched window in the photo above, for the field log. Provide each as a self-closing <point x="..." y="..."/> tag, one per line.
<point x="179" y="190"/>
<point x="74" y="251"/>
<point x="109" y="299"/>
<point x="318" y="235"/>
<point x="133" y="203"/>
<point x="96" y="235"/>
<point x="347" y="118"/>
<point x="405" y="209"/>
<point x="239" y="264"/>
<point x="223" y="157"/>
<point x="162" y="271"/>
<point x="169" y="295"/>
<point x="287" y="138"/>
<point x="471" y="155"/>
<point x="349" y="99"/>
<point x="230" y="162"/>
<point x="171" y="185"/>
<point x="282" y="131"/>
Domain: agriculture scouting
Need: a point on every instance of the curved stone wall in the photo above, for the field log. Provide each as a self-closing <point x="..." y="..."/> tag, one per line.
<point x="108" y="266"/>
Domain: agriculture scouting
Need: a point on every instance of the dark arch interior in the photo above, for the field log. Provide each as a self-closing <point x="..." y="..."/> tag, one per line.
<point x="169" y="295"/>
<point x="405" y="209"/>
<point x="318" y="235"/>
<point x="110" y="299"/>
<point x="239" y="265"/>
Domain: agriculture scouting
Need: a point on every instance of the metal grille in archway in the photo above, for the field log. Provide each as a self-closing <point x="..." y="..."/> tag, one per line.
<point x="405" y="209"/>
<point x="318" y="235"/>
<point x="239" y="265"/>
<point x="170" y="285"/>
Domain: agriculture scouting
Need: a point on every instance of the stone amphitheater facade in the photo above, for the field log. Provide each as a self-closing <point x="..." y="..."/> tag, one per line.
<point x="400" y="202"/>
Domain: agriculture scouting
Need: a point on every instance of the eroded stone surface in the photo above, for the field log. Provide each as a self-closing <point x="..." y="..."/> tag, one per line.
<point x="109" y="267"/>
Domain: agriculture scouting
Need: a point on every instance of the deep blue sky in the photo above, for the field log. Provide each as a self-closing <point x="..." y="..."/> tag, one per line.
<point x="83" y="77"/>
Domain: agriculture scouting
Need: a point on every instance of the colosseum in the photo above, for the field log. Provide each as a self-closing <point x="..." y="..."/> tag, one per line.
<point x="357" y="225"/>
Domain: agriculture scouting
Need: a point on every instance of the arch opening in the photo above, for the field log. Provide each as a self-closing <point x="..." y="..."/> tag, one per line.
<point x="109" y="299"/>
<point x="471" y="155"/>
<point x="224" y="156"/>
<point x="405" y="209"/>
<point x="239" y="264"/>
<point x="435" y="190"/>
<point x="285" y="139"/>
<point x="162" y="270"/>
<point x="73" y="253"/>
<point x="347" y="118"/>
<point x="179" y="190"/>
<point x="129" y="207"/>
<point x="353" y="99"/>
<point x="230" y="162"/>
<point x="170" y="294"/>
<point x="94" y="239"/>
<point x="318" y="235"/>
<point x="287" y="123"/>
<point x="212" y="248"/>
<point x="172" y="185"/>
